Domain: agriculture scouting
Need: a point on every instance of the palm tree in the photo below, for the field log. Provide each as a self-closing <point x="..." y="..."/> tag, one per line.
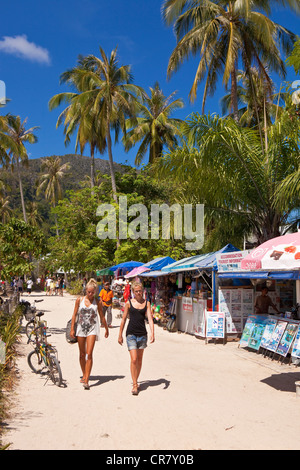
<point x="77" y="117"/>
<point x="7" y="144"/>
<point x="256" y="98"/>
<point x="50" y="181"/>
<point x="5" y="209"/>
<point x="223" y="33"/>
<point x="154" y="127"/>
<point x="223" y="167"/>
<point x="20" y="136"/>
<point x="106" y="94"/>
<point x="34" y="217"/>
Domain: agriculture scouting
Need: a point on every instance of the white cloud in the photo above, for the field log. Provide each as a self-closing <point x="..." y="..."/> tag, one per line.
<point x="21" y="47"/>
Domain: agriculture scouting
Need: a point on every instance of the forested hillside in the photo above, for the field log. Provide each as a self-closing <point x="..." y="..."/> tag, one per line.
<point x="80" y="167"/>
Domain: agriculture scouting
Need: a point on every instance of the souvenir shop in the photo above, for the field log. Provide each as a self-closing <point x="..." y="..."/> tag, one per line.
<point x="273" y="265"/>
<point x="189" y="286"/>
<point x="172" y="293"/>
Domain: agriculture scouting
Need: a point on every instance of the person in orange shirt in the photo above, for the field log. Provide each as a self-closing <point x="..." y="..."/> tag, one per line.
<point x="106" y="296"/>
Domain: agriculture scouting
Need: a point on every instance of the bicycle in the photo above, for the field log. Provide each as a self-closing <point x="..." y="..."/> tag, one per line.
<point x="29" y="312"/>
<point x="34" y="323"/>
<point x="29" y="309"/>
<point x="44" y="357"/>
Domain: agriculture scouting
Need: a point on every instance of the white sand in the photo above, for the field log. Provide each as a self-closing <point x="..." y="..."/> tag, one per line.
<point x="193" y="396"/>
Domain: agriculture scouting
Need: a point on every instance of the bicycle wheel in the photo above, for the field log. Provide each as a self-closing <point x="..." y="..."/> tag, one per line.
<point x="29" y="328"/>
<point x="55" y="370"/>
<point x="36" y="362"/>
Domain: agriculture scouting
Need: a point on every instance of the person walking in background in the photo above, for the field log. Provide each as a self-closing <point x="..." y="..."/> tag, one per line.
<point x="136" y="334"/>
<point x="20" y="285"/>
<point x="86" y="311"/>
<point x="29" y="286"/>
<point x="106" y="295"/>
<point x="48" y="284"/>
<point x="61" y="286"/>
<point x="127" y="290"/>
<point x="52" y="287"/>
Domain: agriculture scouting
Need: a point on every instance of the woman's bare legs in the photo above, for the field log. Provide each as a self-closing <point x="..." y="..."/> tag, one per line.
<point x="86" y="346"/>
<point x="136" y="359"/>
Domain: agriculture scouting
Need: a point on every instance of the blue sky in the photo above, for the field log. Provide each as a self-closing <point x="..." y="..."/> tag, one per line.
<point x="40" y="40"/>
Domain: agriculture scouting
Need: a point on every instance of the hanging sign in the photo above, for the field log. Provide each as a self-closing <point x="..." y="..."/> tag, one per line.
<point x="230" y="261"/>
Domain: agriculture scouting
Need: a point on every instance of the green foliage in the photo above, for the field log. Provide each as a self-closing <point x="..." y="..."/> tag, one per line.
<point x="221" y="34"/>
<point x="9" y="333"/>
<point x="153" y="128"/>
<point x="78" y="248"/>
<point x="75" y="287"/>
<point x="246" y="188"/>
<point x="19" y="244"/>
<point x="294" y="59"/>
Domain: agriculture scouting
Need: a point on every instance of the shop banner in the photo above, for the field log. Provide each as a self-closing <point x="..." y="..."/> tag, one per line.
<point x="287" y="339"/>
<point x="230" y="261"/>
<point x="199" y="307"/>
<point x="215" y="325"/>
<point x="187" y="304"/>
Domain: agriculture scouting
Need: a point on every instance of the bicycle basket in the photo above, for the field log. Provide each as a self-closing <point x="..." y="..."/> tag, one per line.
<point x="29" y="316"/>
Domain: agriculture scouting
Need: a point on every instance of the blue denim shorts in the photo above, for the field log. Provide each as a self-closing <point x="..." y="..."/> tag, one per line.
<point x="136" y="342"/>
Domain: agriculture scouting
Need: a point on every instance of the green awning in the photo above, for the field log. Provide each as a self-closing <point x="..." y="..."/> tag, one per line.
<point x="105" y="272"/>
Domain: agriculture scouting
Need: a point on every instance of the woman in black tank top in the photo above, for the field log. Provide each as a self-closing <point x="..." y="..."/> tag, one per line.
<point x="136" y="333"/>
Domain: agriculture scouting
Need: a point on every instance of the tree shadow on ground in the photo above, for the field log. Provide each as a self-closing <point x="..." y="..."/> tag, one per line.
<point x="284" y="382"/>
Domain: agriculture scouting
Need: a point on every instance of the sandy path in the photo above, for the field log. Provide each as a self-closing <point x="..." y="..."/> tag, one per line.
<point x="193" y="396"/>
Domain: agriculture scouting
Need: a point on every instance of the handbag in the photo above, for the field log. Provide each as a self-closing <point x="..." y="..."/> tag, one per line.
<point x="68" y="332"/>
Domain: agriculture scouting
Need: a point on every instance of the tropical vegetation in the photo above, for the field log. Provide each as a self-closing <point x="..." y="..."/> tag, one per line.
<point x="153" y="126"/>
<point x="224" y="33"/>
<point x="242" y="165"/>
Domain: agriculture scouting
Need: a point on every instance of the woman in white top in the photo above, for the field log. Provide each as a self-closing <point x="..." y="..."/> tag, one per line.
<point x="88" y="328"/>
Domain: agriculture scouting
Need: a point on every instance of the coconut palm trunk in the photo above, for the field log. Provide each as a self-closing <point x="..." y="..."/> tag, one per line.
<point x="234" y="97"/>
<point x="110" y="158"/>
<point x="21" y="190"/>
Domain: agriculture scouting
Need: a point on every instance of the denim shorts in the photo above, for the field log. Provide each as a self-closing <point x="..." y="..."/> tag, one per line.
<point x="136" y="342"/>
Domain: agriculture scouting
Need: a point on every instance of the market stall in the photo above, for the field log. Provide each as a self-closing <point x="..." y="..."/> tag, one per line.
<point x="155" y="264"/>
<point x="123" y="268"/>
<point x="191" y="281"/>
<point x="274" y="265"/>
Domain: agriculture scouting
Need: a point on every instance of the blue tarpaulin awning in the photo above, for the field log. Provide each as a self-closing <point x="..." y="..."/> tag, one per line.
<point x="205" y="261"/>
<point x="261" y="275"/>
<point x="126" y="265"/>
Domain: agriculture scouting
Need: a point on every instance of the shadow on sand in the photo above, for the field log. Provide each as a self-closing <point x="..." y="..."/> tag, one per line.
<point x="102" y="379"/>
